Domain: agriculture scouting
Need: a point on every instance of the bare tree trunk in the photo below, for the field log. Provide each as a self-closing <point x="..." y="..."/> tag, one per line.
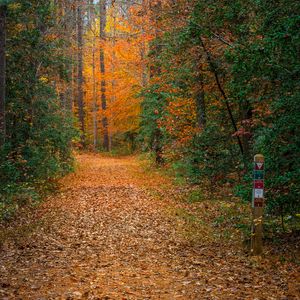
<point x="155" y="10"/>
<point x="72" y="94"/>
<point x="80" y="73"/>
<point x="95" y="106"/>
<point x="70" y="22"/>
<point x="103" y="4"/>
<point x="143" y="46"/>
<point x="218" y="82"/>
<point x="73" y="56"/>
<point x="2" y="72"/>
<point x="113" y="69"/>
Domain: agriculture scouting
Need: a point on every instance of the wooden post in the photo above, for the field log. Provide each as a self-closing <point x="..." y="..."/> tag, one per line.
<point x="257" y="205"/>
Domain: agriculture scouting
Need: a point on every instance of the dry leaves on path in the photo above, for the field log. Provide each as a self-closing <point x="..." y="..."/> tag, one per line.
<point x="105" y="235"/>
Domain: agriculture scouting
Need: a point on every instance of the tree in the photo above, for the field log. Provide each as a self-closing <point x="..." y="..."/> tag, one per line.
<point x="39" y="131"/>
<point x="237" y="62"/>
<point x="3" y="9"/>
<point x="80" y="79"/>
<point x="155" y="70"/>
<point x="103" y="9"/>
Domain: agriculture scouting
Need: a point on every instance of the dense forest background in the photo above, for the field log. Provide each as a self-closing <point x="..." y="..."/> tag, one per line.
<point x="202" y="85"/>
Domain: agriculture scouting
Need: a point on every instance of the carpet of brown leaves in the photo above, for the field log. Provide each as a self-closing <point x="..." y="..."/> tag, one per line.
<point x="107" y="235"/>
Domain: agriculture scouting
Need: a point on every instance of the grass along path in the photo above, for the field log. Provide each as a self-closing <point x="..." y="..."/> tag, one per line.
<point x="113" y="231"/>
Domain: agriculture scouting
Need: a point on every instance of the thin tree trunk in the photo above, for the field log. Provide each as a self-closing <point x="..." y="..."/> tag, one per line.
<point x="2" y="72"/>
<point x="143" y="48"/>
<point x="69" y="32"/>
<point x="103" y="4"/>
<point x="80" y="73"/>
<point x="113" y="69"/>
<point x="73" y="56"/>
<point x="155" y="9"/>
<point x="213" y="69"/>
<point x="95" y="106"/>
<point x="72" y="94"/>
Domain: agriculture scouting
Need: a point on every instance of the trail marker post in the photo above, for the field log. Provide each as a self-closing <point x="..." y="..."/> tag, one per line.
<point x="257" y="204"/>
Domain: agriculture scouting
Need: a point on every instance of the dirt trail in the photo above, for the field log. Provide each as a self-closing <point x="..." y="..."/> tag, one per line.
<point x="103" y="236"/>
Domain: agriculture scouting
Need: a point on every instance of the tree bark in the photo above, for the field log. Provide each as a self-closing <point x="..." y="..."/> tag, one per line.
<point x="113" y="69"/>
<point x="155" y="10"/>
<point x="103" y="4"/>
<point x="2" y="73"/>
<point x="74" y="69"/>
<point x="70" y="22"/>
<point x="214" y="71"/>
<point x="95" y="104"/>
<point x="80" y="73"/>
<point x="143" y="46"/>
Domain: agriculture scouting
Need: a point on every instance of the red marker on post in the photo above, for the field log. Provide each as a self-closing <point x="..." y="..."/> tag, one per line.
<point x="257" y="204"/>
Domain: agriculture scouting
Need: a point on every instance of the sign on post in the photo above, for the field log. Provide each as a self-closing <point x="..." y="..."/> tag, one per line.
<point x="257" y="204"/>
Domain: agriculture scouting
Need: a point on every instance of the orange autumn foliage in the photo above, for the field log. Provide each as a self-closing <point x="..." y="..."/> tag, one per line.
<point x="125" y="71"/>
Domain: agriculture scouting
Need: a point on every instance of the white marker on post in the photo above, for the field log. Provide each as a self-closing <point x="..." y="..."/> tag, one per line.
<point x="257" y="204"/>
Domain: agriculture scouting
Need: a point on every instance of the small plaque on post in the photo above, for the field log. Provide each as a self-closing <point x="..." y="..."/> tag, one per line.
<point x="257" y="204"/>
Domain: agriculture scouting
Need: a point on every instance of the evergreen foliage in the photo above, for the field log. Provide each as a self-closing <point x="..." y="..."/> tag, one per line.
<point x="39" y="131"/>
<point x="246" y="53"/>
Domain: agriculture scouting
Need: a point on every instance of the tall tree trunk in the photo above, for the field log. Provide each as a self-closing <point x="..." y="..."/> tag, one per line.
<point x="103" y="4"/>
<point x="71" y="88"/>
<point x="73" y="55"/>
<point x="2" y="72"/>
<point x="143" y="46"/>
<point x="222" y="91"/>
<point x="95" y="105"/>
<point x="155" y="10"/>
<point x="80" y="72"/>
<point x="113" y="69"/>
<point x="69" y="20"/>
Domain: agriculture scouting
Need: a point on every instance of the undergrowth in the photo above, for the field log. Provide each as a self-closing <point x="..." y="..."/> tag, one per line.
<point x="207" y="215"/>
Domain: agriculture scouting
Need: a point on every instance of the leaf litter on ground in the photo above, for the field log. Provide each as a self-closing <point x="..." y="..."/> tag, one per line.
<point x="115" y="231"/>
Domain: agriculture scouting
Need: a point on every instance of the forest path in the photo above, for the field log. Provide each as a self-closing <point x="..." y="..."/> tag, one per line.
<point x="105" y="235"/>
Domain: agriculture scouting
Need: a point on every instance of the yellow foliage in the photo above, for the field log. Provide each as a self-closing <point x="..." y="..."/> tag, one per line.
<point x="124" y="72"/>
<point x="14" y="6"/>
